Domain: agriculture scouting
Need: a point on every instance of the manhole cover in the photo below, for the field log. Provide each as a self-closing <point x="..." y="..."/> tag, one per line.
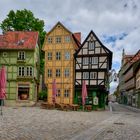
<point x="127" y="114"/>
<point x="119" y="123"/>
<point x="109" y="131"/>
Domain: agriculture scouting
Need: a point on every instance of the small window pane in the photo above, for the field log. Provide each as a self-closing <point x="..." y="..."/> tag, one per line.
<point x="67" y="55"/>
<point x="85" y="60"/>
<point x="67" y="73"/>
<point x="58" y="40"/>
<point x="85" y="75"/>
<point x="91" y="45"/>
<point x="49" y="73"/>
<point x="57" y="72"/>
<point x="67" y="38"/>
<point x="49" y="39"/>
<point x="58" y="55"/>
<point x="66" y="93"/>
<point x="49" y="55"/>
<point x="93" y="75"/>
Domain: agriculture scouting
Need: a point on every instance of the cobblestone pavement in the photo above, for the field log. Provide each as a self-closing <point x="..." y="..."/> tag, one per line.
<point x="33" y="123"/>
<point x="26" y="123"/>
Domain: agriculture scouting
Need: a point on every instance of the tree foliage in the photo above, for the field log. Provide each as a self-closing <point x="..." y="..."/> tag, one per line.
<point x="24" y="20"/>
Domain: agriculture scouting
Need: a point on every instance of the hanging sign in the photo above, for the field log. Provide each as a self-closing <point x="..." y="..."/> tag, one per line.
<point x="95" y="100"/>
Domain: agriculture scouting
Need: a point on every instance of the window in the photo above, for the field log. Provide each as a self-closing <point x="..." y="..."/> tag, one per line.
<point x="49" y="55"/>
<point x="67" y="38"/>
<point x="58" y="39"/>
<point x="49" y="73"/>
<point x="49" y="39"/>
<point x="25" y="71"/>
<point x="21" y="55"/>
<point x="66" y="93"/>
<point x="85" y="75"/>
<point x="85" y="60"/>
<point x="58" y="93"/>
<point x="67" y="73"/>
<point x="57" y="72"/>
<point x="31" y="71"/>
<point x="94" y="60"/>
<point x="23" y="91"/>
<point x="21" y="71"/>
<point x="91" y="45"/>
<point x="93" y="75"/>
<point x="58" y="55"/>
<point x="67" y="55"/>
<point x="4" y="54"/>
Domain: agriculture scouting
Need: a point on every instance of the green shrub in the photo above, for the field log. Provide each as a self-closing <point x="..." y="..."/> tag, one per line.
<point x="43" y="95"/>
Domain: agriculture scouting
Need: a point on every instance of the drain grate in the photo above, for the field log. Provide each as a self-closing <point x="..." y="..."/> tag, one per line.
<point x="119" y="123"/>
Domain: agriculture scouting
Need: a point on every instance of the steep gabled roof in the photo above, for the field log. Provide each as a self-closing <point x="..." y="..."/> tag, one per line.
<point x="19" y="40"/>
<point x="73" y="36"/>
<point x="58" y="23"/>
<point x="109" y="52"/>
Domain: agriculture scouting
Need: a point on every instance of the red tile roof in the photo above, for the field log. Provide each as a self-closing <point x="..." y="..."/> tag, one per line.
<point x="19" y="40"/>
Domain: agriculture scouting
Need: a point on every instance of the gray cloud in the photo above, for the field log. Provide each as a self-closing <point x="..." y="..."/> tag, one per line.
<point x="104" y="17"/>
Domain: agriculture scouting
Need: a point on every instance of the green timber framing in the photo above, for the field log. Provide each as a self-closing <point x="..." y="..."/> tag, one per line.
<point x="11" y="63"/>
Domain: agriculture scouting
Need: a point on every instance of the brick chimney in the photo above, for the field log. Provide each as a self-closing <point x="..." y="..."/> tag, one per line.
<point x="77" y="36"/>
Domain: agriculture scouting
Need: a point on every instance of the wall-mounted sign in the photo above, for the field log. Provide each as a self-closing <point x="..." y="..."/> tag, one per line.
<point x="95" y="100"/>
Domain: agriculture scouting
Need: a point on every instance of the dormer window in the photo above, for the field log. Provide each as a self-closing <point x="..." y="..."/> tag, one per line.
<point x="21" y="55"/>
<point x="20" y="42"/>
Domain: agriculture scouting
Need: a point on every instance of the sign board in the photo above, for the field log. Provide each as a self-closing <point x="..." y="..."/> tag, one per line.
<point x="95" y="100"/>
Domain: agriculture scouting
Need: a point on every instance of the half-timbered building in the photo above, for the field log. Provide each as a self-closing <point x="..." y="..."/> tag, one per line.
<point x="59" y="47"/>
<point x="19" y="53"/>
<point x="92" y="64"/>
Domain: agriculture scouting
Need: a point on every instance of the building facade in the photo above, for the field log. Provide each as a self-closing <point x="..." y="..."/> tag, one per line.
<point x="19" y="53"/>
<point x="59" y="46"/>
<point x="92" y="64"/>
<point x="128" y="89"/>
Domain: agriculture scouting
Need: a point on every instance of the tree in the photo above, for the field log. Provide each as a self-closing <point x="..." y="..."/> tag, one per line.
<point x="24" y="20"/>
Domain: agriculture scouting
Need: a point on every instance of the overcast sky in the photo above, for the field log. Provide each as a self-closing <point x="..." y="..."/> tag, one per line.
<point x="115" y="22"/>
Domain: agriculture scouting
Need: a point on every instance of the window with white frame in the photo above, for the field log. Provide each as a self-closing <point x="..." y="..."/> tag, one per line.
<point x="49" y="73"/>
<point x="85" y="75"/>
<point x="58" y="94"/>
<point x="58" y="73"/>
<point x="49" y="55"/>
<point x="31" y="71"/>
<point x="93" y="75"/>
<point x="66" y="93"/>
<point x="91" y="45"/>
<point x="21" y="71"/>
<point x="67" y="72"/>
<point x="67" y="38"/>
<point x="28" y="71"/>
<point x="50" y="40"/>
<point x="67" y="55"/>
<point x="58" y="55"/>
<point x="4" y="54"/>
<point x="94" y="60"/>
<point x="21" y="55"/>
<point x="85" y="60"/>
<point x="58" y="39"/>
<point x="25" y="71"/>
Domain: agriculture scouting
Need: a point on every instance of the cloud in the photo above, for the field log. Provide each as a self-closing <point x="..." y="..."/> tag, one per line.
<point x="115" y="22"/>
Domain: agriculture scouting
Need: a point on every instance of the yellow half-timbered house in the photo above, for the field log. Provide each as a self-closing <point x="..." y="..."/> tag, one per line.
<point x="59" y="47"/>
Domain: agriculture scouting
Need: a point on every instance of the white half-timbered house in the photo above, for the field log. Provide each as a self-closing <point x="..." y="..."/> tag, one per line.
<point x="92" y="64"/>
